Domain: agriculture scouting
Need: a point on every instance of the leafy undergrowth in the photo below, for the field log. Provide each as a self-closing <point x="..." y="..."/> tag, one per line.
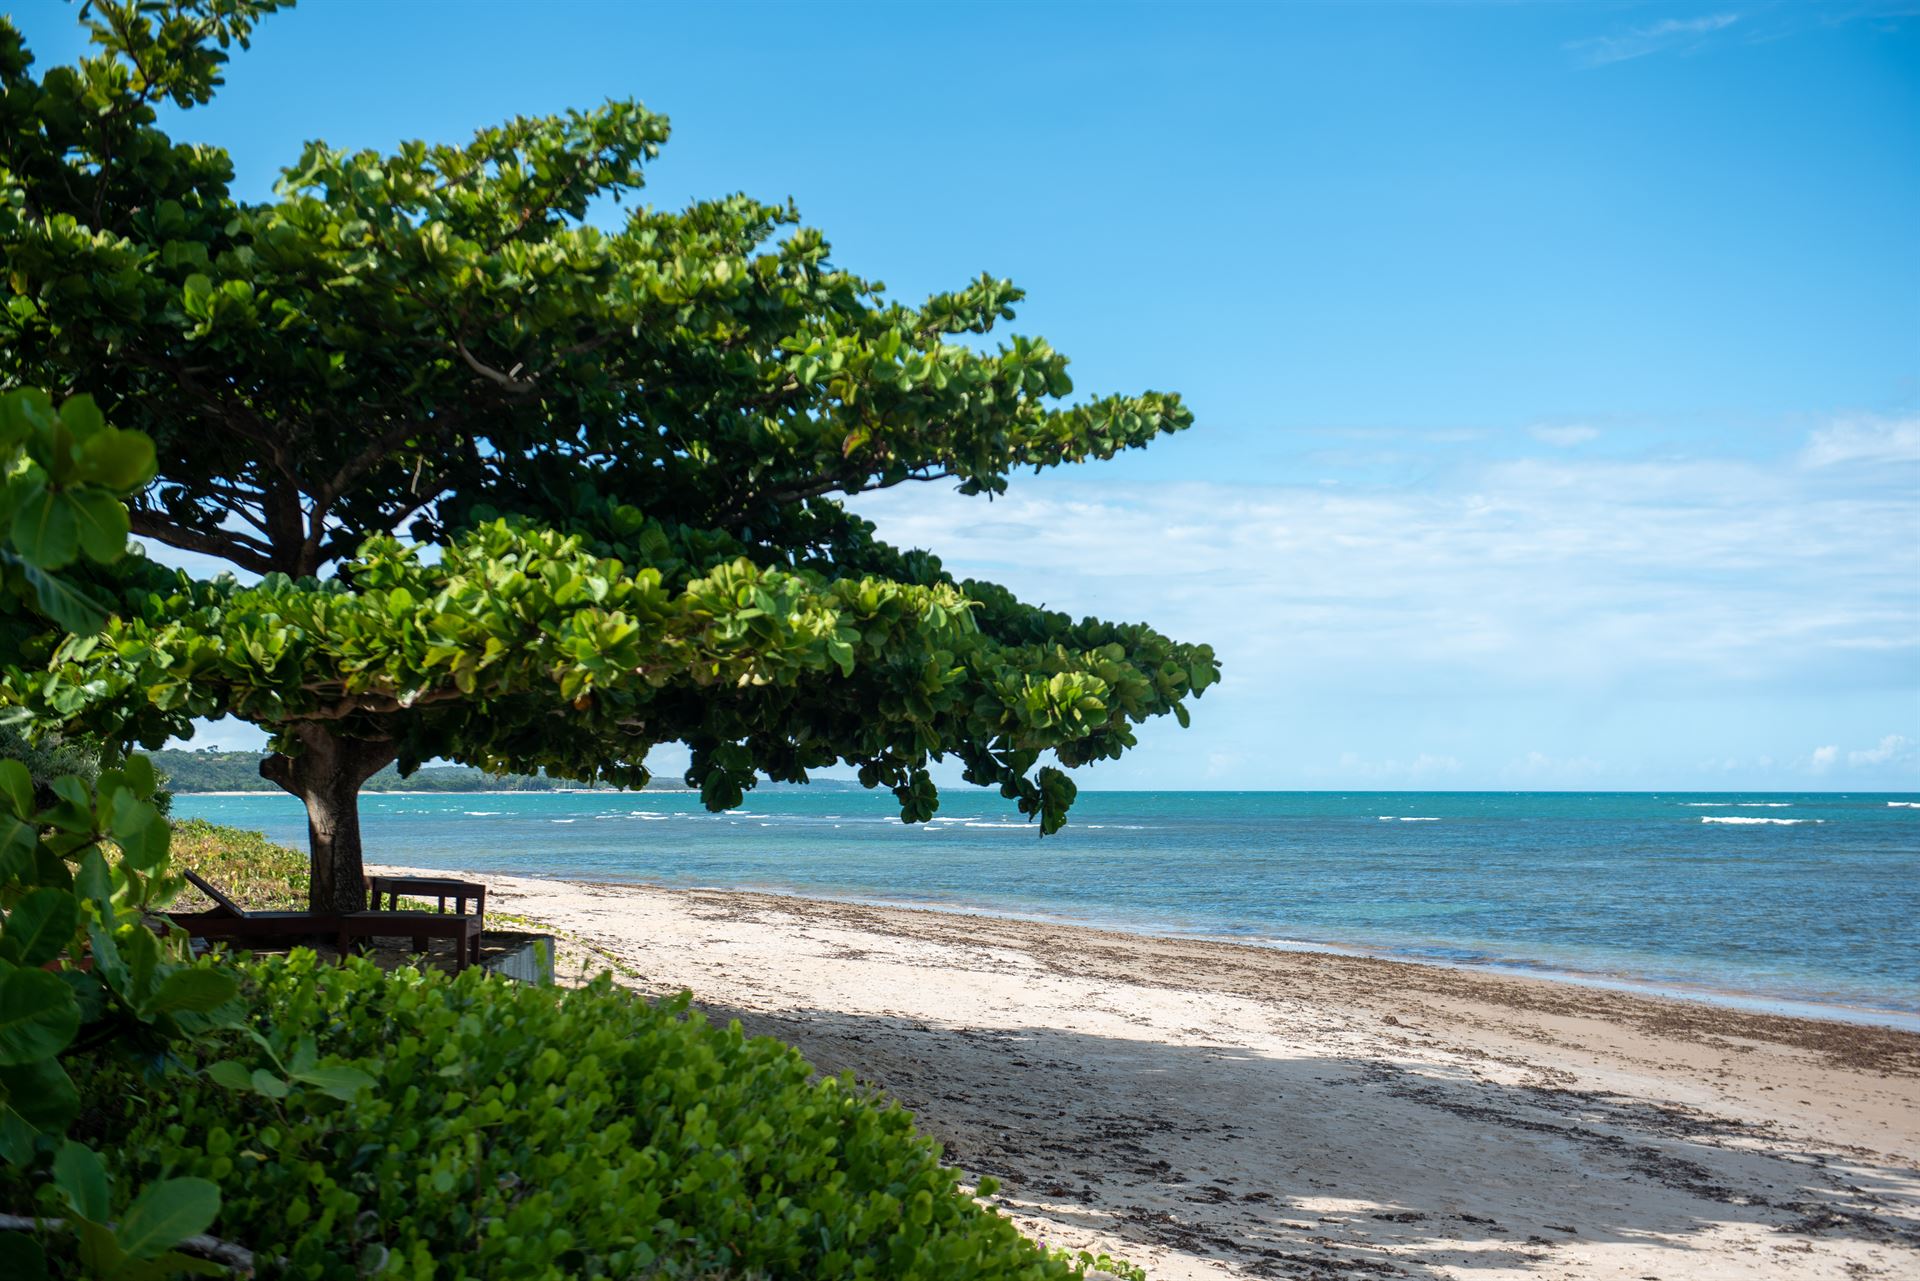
<point x="403" y="1124"/>
<point x="250" y="869"/>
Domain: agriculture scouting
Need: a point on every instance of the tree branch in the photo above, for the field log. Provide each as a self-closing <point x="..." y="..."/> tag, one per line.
<point x="508" y="381"/>
<point x="243" y="551"/>
<point x="236" y="1257"/>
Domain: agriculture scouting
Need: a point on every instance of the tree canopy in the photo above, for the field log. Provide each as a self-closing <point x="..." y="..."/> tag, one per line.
<point x="531" y="485"/>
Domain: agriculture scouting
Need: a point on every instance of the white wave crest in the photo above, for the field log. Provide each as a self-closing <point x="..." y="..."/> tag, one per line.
<point x="1748" y="819"/>
<point x="480" y="813"/>
<point x="1405" y="818"/>
<point x="1903" y="805"/>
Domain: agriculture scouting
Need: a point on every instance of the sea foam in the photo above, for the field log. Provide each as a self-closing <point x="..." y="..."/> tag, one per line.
<point x="1744" y="818"/>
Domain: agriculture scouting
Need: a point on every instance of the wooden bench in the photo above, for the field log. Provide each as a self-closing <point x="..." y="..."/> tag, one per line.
<point x="462" y="925"/>
<point x="350" y="930"/>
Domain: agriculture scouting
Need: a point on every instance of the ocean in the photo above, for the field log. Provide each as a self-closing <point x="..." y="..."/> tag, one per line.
<point x="1776" y="901"/>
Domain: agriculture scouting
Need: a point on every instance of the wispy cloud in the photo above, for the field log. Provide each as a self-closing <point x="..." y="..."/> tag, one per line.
<point x="1891" y="748"/>
<point x="1670" y="35"/>
<point x="1864" y="440"/>
<point x="1566" y="437"/>
<point x="1578" y="600"/>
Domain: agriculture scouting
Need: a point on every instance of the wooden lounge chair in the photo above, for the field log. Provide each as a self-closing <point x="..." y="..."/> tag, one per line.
<point x="348" y="930"/>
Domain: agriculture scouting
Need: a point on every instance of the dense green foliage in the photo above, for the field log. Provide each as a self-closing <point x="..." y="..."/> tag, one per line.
<point x="83" y="861"/>
<point x="511" y="1130"/>
<point x="625" y="448"/>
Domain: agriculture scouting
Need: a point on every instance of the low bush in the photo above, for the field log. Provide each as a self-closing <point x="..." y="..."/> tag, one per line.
<point x="503" y="1130"/>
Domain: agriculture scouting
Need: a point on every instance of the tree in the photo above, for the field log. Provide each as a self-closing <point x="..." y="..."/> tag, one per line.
<point x="625" y="448"/>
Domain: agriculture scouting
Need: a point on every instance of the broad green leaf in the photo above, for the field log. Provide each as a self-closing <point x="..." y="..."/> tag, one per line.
<point x="21" y="1258"/>
<point x="107" y="961"/>
<point x="143" y="836"/>
<point x="45" y="530"/>
<point x="41" y="1094"/>
<point x="38" y="1016"/>
<point x="94" y="881"/>
<point x="82" y="1179"/>
<point x="230" y="1074"/>
<point x="120" y="461"/>
<point x="39" y="926"/>
<point x="140" y="776"/>
<point x="342" y="1082"/>
<point x="81" y="416"/>
<point x="66" y="602"/>
<point x="268" y="1084"/>
<point x="102" y="523"/>
<point x="167" y="1213"/>
<point x="16" y="789"/>
<point x="193" y="989"/>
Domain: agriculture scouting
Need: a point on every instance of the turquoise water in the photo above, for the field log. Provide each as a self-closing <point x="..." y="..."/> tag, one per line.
<point x="1790" y="898"/>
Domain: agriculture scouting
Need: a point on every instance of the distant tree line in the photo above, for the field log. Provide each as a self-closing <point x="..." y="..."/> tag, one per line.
<point x="211" y="771"/>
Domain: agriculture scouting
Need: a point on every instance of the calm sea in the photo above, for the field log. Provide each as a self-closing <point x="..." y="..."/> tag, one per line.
<point x="1776" y="898"/>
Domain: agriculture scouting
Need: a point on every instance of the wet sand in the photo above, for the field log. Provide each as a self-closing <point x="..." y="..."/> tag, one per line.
<point x="1213" y="1110"/>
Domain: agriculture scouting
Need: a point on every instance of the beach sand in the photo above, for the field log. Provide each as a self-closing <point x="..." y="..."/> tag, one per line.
<point x="1210" y="1110"/>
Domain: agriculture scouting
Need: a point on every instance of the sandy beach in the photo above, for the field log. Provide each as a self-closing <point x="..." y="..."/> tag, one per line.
<point x="1211" y="1110"/>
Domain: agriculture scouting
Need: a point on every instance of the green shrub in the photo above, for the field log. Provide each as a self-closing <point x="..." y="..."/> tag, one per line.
<point x="527" y="1132"/>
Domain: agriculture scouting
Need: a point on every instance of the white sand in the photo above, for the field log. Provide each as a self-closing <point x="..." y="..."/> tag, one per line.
<point x="1213" y="1111"/>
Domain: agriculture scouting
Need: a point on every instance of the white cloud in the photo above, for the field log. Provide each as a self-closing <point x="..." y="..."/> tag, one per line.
<point x="1823" y="758"/>
<point x="1863" y="440"/>
<point x="1679" y="35"/>
<point x="1889" y="749"/>
<point x="1565" y="437"/>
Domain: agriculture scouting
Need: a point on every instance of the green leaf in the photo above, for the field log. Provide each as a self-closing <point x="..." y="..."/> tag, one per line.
<point x="194" y="989"/>
<point x="82" y="1180"/>
<point x="102" y="522"/>
<point x="16" y="789"/>
<point x="19" y="845"/>
<point x="342" y="1082"/>
<point x="121" y="461"/>
<point x="66" y="602"/>
<point x="140" y="776"/>
<point x="107" y="961"/>
<point x="166" y="1214"/>
<point x="21" y="1258"/>
<point x="45" y="529"/>
<point x="41" y="1094"/>
<point x="143" y="836"/>
<point x="94" y="881"/>
<point x="268" y="1084"/>
<point x="39" y="926"/>
<point x="38" y="1016"/>
<point x="230" y="1074"/>
<point x="81" y="416"/>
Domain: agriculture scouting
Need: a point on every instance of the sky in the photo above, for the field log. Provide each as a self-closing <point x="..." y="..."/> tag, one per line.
<point x="1556" y="366"/>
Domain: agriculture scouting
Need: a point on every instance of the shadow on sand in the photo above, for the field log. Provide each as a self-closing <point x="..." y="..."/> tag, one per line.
<point x="1337" y="1167"/>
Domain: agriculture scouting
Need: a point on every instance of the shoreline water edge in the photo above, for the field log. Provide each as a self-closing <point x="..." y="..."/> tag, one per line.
<point x="1625" y="891"/>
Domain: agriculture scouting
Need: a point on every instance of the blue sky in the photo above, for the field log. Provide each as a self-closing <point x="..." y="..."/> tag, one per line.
<point x="1557" y="366"/>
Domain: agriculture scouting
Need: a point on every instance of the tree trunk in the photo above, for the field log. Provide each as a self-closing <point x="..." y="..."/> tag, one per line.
<point x="327" y="778"/>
